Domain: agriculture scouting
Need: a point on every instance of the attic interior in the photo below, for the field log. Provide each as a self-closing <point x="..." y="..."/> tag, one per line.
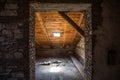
<point x="60" y="47"/>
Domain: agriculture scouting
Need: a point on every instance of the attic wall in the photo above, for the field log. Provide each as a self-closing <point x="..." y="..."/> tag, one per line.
<point x="79" y="56"/>
<point x="53" y="52"/>
<point x="80" y="50"/>
<point x="107" y="40"/>
<point x="14" y="40"/>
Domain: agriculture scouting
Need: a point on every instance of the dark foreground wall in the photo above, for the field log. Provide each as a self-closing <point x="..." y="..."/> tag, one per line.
<point x="106" y="55"/>
<point x="14" y="40"/>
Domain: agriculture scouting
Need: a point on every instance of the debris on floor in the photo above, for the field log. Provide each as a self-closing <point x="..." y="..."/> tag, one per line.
<point x="45" y="63"/>
<point x="55" y="63"/>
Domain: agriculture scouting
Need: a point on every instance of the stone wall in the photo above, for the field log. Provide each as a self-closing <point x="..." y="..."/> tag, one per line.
<point x="13" y="41"/>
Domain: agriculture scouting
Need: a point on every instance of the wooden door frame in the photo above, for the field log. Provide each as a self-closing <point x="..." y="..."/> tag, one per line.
<point x="85" y="8"/>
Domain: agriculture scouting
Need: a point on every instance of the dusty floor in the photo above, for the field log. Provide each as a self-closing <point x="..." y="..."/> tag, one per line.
<point x="56" y="69"/>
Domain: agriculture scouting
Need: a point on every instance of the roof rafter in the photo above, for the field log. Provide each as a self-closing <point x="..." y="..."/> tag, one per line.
<point x="75" y="26"/>
<point x="44" y="28"/>
<point x="79" y="23"/>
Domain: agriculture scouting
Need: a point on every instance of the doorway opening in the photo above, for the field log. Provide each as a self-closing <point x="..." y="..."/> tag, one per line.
<point x="60" y="41"/>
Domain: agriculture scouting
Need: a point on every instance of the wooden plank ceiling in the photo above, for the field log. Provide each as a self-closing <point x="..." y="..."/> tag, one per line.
<point x="46" y="23"/>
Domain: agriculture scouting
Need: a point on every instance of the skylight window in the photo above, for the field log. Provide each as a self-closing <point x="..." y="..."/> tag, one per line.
<point x="56" y="34"/>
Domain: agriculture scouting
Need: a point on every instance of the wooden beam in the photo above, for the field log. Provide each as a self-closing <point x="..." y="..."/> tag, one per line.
<point x="44" y="49"/>
<point x="75" y="26"/>
<point x="74" y="37"/>
<point x="64" y="36"/>
<point x="44" y="28"/>
<point x="79" y="23"/>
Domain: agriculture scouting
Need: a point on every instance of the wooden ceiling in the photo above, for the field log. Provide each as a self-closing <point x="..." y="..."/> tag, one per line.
<point x="46" y="23"/>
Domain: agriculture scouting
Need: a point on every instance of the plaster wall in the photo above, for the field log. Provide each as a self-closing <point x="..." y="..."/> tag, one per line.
<point x="107" y="39"/>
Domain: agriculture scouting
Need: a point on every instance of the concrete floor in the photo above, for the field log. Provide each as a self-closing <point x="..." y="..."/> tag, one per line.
<point x="56" y="69"/>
